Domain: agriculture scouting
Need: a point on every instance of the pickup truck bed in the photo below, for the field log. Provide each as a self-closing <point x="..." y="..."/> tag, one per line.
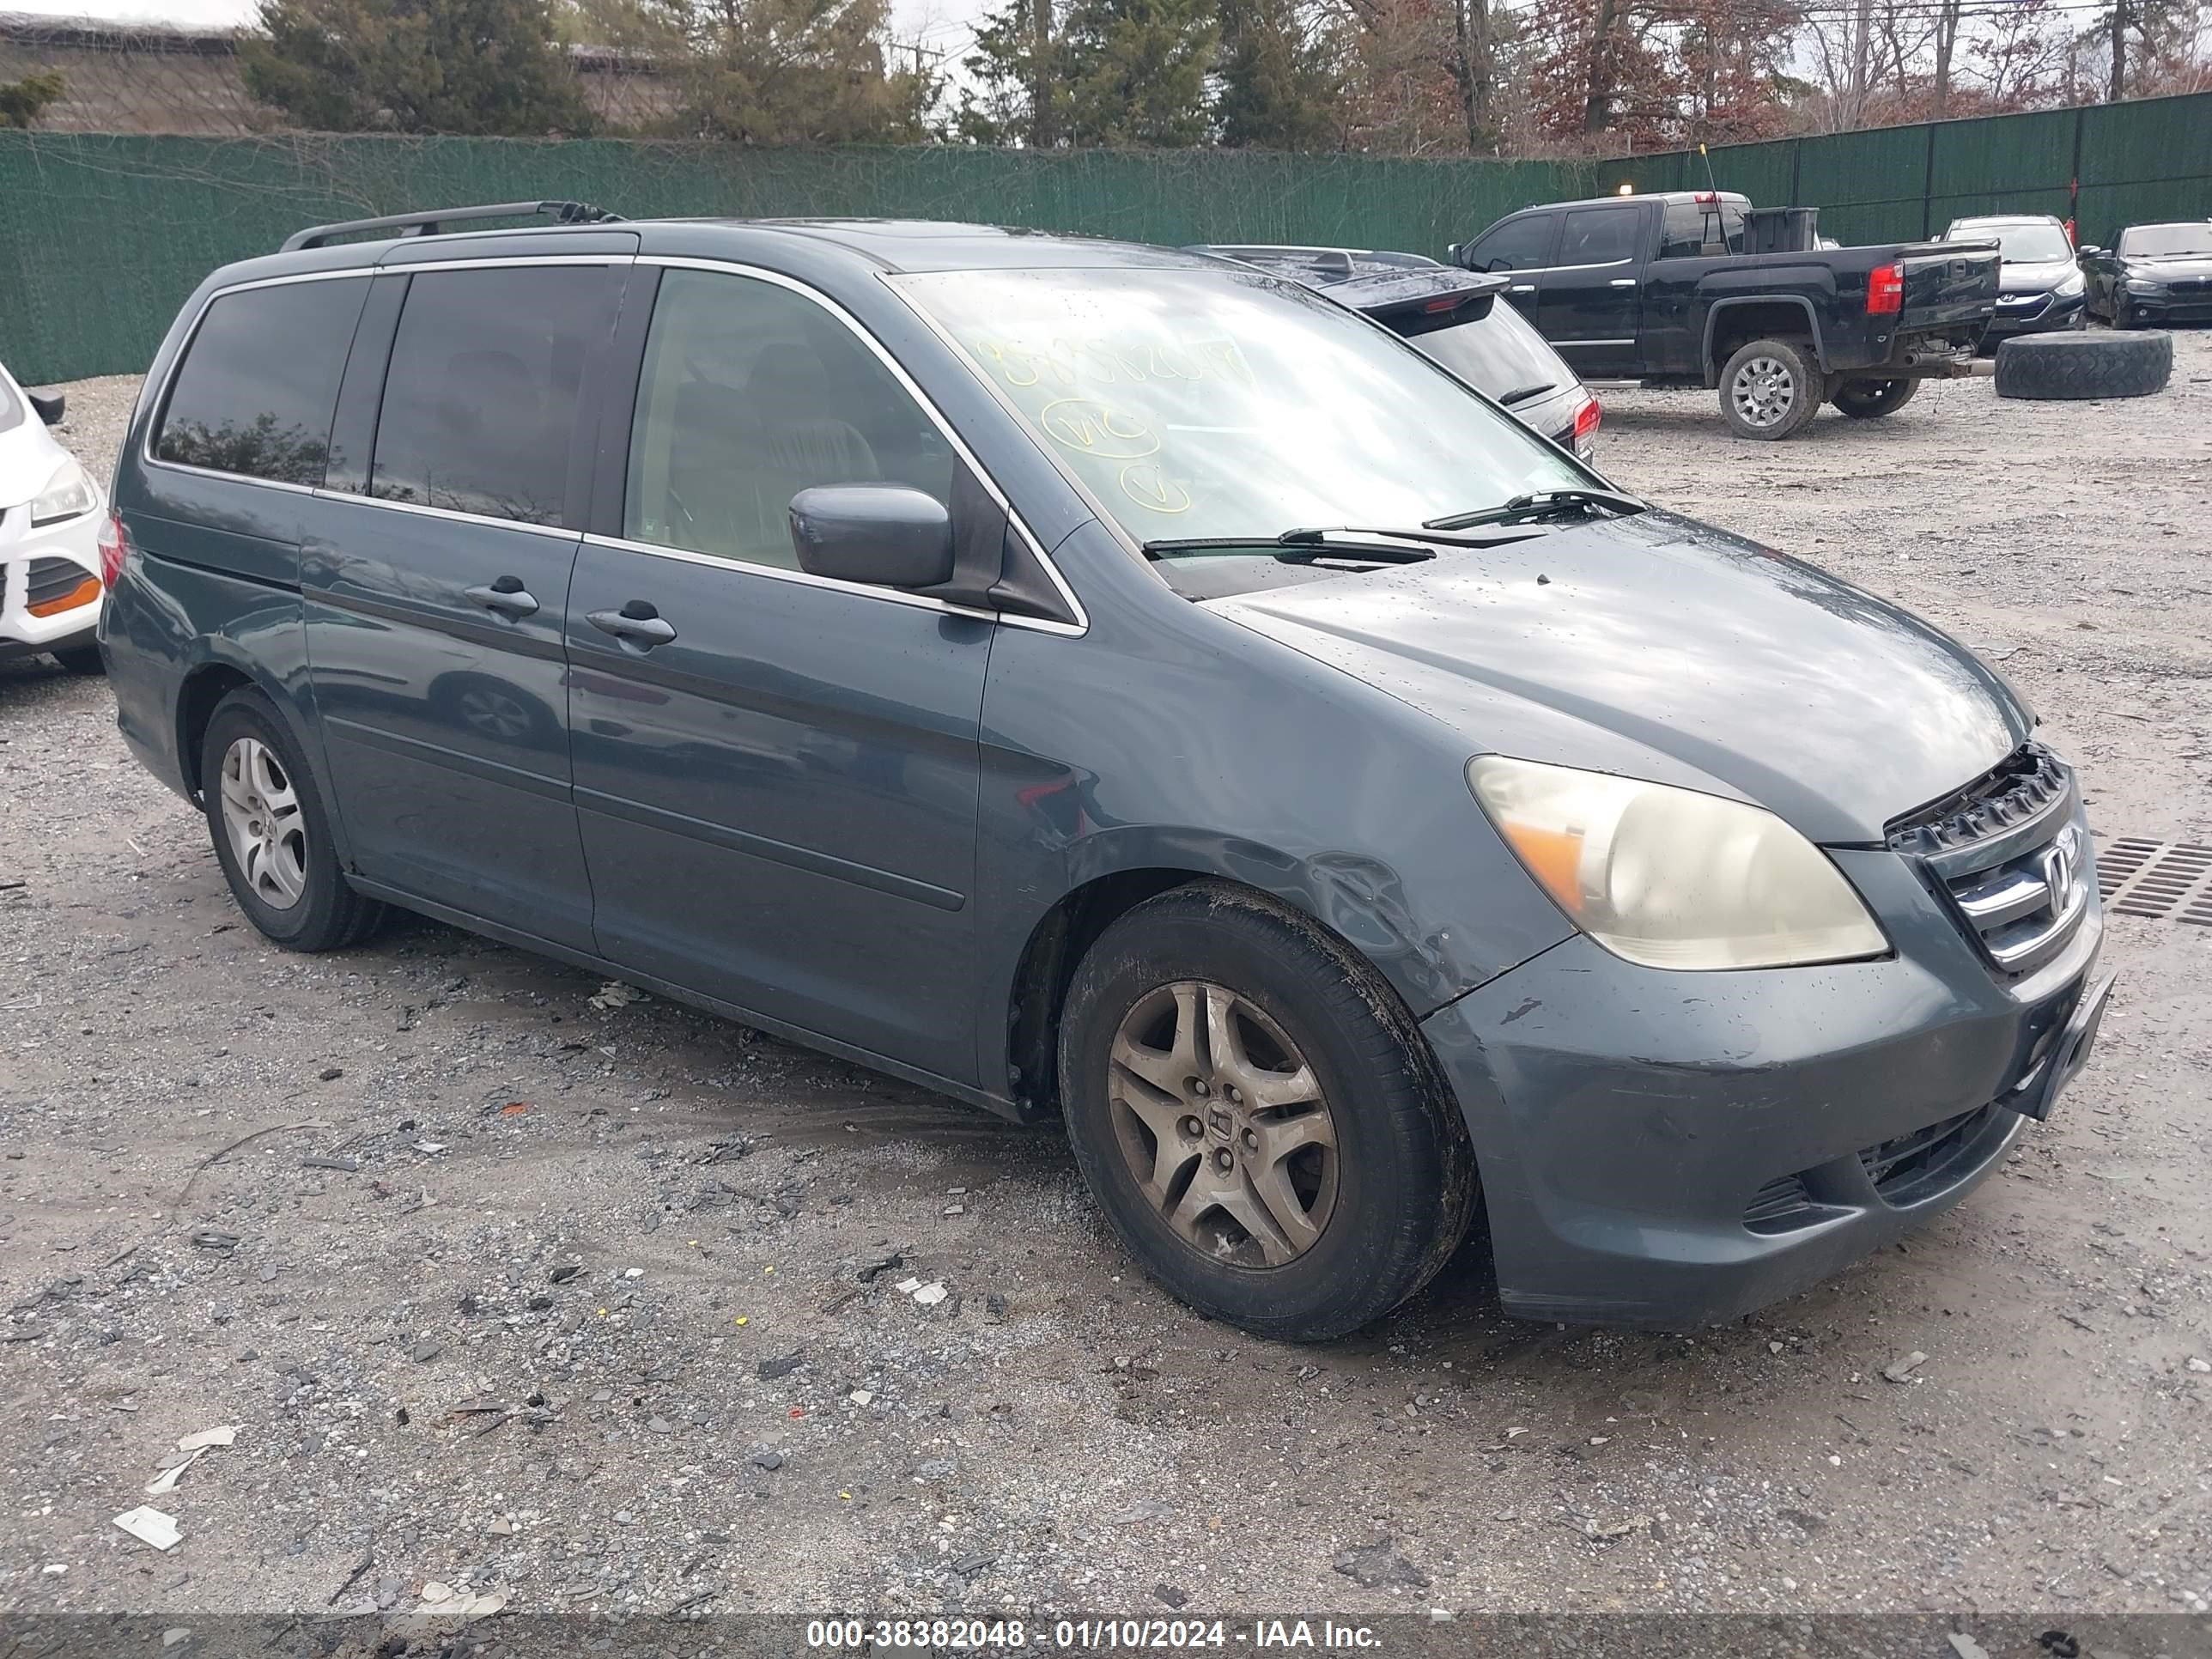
<point x="1651" y="288"/>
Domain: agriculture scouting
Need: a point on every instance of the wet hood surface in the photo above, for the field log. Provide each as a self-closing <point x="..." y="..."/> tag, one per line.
<point x="2039" y="277"/>
<point x="1659" y="648"/>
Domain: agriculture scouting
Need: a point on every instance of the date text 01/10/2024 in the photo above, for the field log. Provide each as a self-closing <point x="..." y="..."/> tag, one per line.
<point x="1088" y="1635"/>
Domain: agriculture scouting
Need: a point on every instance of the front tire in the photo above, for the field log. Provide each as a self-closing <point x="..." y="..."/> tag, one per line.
<point x="1260" y="1116"/>
<point x="1769" y="390"/>
<point x="1869" y="400"/>
<point x="272" y="833"/>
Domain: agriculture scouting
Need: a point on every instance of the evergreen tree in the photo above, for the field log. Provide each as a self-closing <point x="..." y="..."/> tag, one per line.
<point x="1282" y="77"/>
<point x="456" y="66"/>
<point x="787" y="71"/>
<point x="1137" y="71"/>
<point x="24" y="101"/>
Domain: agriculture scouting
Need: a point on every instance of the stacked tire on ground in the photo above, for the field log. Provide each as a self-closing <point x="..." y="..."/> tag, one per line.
<point x="2084" y="365"/>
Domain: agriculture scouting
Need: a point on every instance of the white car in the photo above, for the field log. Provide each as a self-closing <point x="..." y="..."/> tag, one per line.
<point x="52" y="517"/>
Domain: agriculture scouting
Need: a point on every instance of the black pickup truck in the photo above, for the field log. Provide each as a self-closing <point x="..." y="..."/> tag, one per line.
<point x="1672" y="290"/>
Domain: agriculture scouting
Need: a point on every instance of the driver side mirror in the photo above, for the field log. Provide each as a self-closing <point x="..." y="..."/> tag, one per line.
<point x="49" y="408"/>
<point x="2091" y="250"/>
<point x="882" y="535"/>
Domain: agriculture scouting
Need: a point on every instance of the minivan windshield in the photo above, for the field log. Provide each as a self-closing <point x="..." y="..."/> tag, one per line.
<point x="1195" y="404"/>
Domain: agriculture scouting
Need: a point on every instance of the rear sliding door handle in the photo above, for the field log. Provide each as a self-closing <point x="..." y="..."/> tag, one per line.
<point x="636" y="623"/>
<point x="506" y="595"/>
<point x="1622" y="281"/>
<point x="1522" y="288"/>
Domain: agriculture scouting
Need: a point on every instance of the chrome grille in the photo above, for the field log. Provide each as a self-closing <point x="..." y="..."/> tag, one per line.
<point x="2010" y="855"/>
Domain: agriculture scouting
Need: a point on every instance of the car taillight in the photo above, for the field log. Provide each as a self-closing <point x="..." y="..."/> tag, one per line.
<point x="1586" y="422"/>
<point x="1885" y="290"/>
<point x="113" y="544"/>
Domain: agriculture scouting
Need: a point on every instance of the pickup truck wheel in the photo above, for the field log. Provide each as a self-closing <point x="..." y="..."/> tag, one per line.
<point x="2082" y="366"/>
<point x="1260" y="1116"/>
<point x="1868" y="400"/>
<point x="1769" y="390"/>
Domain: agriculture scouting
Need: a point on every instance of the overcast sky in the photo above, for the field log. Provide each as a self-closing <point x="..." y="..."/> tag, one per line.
<point x="946" y="26"/>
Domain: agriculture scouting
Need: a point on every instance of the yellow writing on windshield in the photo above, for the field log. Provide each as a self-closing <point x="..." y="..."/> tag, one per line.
<point x="1091" y="428"/>
<point x="1143" y="483"/>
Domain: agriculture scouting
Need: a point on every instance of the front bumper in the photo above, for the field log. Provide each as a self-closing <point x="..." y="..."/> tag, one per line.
<point x="49" y="588"/>
<point x="2170" y="305"/>
<point x="1677" y="1149"/>
<point x="2048" y="314"/>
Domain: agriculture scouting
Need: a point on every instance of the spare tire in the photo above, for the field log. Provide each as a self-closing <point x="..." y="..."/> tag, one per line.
<point x="2084" y="365"/>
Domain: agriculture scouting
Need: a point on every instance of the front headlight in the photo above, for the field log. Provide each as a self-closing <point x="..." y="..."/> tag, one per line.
<point x="2145" y="285"/>
<point x="2069" y="286"/>
<point x="69" y="493"/>
<point x="1672" y="878"/>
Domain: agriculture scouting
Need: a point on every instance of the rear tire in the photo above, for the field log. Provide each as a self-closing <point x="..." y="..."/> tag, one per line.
<point x="79" y="659"/>
<point x="1869" y="400"/>
<point x="2069" y="365"/>
<point x="1343" y="1145"/>
<point x="1769" y="390"/>
<point x="272" y="833"/>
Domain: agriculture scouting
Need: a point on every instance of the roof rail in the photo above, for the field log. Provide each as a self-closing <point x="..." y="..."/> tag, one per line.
<point x="433" y="224"/>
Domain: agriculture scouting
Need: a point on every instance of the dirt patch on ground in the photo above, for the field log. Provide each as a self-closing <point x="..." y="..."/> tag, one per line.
<point x="601" y="1305"/>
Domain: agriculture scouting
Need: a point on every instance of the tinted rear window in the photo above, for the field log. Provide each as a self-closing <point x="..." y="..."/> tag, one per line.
<point x="480" y="398"/>
<point x="1502" y="355"/>
<point x="1709" y="228"/>
<point x="259" y="380"/>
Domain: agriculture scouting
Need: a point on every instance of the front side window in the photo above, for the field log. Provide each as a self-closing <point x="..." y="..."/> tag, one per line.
<point x="1599" y="236"/>
<point x="1232" y="404"/>
<point x="480" y="398"/>
<point x="1523" y="245"/>
<point x="751" y="393"/>
<point x="259" y="381"/>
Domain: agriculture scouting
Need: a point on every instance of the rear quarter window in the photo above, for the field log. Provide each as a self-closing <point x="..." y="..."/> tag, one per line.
<point x="259" y="381"/>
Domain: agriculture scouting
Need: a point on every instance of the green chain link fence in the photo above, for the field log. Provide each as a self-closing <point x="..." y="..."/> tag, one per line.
<point x="102" y="237"/>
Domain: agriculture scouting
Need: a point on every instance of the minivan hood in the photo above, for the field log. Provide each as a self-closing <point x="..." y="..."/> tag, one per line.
<point x="1658" y="647"/>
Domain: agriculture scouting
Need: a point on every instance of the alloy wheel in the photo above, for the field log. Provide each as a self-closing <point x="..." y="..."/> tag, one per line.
<point x="268" y="830"/>
<point x="1223" y="1124"/>
<point x="1763" y="391"/>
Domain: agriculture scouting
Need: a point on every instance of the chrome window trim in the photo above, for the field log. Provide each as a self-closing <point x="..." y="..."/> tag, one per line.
<point x="369" y="273"/>
<point x="807" y="579"/>
<point x="559" y="532"/>
<point x="1080" y="626"/>
<point x="1590" y="342"/>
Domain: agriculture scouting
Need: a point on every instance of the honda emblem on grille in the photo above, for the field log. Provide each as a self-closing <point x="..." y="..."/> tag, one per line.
<point x="2062" y="866"/>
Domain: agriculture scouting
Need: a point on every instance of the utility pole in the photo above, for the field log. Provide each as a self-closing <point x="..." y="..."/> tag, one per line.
<point x="1044" y="131"/>
<point x="2119" y="50"/>
<point x="1861" y="43"/>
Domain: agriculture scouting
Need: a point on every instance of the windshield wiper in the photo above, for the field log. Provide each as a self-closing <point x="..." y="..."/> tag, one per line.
<point x="1521" y="394"/>
<point x="1299" y="547"/>
<point x="1538" y="503"/>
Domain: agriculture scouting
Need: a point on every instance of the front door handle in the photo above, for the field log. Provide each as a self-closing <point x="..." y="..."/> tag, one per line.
<point x="506" y="595"/>
<point x="1522" y="288"/>
<point x="1622" y="281"/>
<point x="636" y="623"/>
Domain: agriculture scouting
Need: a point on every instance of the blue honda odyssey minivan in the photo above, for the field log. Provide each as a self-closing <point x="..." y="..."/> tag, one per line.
<point x="1093" y="680"/>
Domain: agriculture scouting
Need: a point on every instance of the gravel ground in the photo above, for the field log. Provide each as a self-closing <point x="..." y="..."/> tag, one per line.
<point x="600" y="1306"/>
